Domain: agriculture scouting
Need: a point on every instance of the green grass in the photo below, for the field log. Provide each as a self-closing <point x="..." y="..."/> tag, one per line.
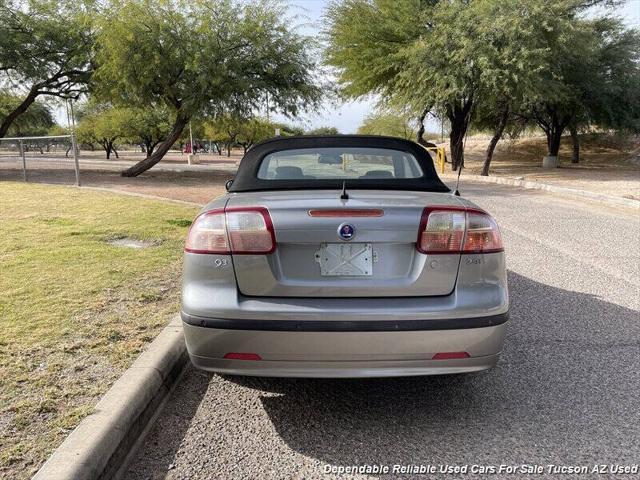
<point x="75" y="311"/>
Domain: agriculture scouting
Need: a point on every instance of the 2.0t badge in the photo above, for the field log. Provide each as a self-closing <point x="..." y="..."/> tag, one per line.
<point x="346" y="231"/>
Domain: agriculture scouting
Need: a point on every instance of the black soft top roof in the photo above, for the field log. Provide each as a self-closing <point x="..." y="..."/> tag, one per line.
<point x="247" y="180"/>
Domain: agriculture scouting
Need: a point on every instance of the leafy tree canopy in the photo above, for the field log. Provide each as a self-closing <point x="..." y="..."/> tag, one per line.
<point x="45" y="49"/>
<point x="103" y="125"/>
<point x="147" y="126"/>
<point x="202" y="58"/>
<point x="323" y="131"/>
<point x="445" y="56"/>
<point x="594" y="74"/>
<point x="388" y="123"/>
<point x="35" y="121"/>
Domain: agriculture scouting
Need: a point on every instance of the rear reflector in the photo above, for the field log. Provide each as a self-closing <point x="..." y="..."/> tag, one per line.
<point x="347" y="212"/>
<point x="234" y="230"/>
<point x="450" y="355"/>
<point x="242" y="356"/>
<point x="449" y="230"/>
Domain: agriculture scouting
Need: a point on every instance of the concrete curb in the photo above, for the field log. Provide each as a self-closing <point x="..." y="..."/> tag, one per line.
<point x="572" y="192"/>
<point x="99" y="447"/>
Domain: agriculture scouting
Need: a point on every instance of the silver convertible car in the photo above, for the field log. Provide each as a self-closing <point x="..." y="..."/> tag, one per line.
<point x="343" y="256"/>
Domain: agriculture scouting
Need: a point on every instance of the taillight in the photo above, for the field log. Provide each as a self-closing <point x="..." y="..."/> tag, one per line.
<point x="250" y="230"/>
<point x="234" y="230"/>
<point x="208" y="234"/>
<point x="457" y="230"/>
<point x="483" y="234"/>
<point x="441" y="231"/>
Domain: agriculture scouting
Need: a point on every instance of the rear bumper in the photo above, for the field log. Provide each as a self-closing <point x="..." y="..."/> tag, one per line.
<point x="346" y="325"/>
<point x="309" y="350"/>
<point x="361" y="369"/>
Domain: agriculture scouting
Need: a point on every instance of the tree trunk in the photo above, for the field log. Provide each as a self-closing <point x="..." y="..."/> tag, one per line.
<point x="151" y="148"/>
<point x="553" y="125"/>
<point x="459" y="117"/>
<point x="115" y="151"/>
<point x="497" y="135"/>
<point x="575" y="157"/>
<point x="144" y="165"/>
<point x="420" y="135"/>
<point x="554" y="137"/>
<point x="107" y="148"/>
<point x="228" y="146"/>
<point x="19" y="110"/>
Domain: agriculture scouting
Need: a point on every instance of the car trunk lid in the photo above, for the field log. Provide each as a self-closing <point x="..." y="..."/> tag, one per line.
<point x="326" y="246"/>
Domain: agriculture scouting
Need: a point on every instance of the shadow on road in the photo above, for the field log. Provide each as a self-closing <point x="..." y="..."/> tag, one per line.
<point x="565" y="391"/>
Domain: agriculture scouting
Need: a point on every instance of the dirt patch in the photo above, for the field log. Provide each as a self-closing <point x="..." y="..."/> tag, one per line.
<point x="130" y="243"/>
<point x="605" y="166"/>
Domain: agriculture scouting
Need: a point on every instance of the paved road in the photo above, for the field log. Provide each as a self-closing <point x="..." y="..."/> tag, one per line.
<point x="566" y="391"/>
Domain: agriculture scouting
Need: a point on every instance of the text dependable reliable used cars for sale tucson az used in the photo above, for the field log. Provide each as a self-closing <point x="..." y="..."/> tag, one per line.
<point x="343" y="256"/>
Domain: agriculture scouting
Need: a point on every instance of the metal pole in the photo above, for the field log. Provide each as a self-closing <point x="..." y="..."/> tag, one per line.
<point x="190" y="156"/>
<point x="66" y="105"/>
<point x="24" y="162"/>
<point x="75" y="158"/>
<point x="74" y="145"/>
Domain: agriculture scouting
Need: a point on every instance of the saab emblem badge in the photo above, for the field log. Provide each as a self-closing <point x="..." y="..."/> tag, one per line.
<point x="346" y="231"/>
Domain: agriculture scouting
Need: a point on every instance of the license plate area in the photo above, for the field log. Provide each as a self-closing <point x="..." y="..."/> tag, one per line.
<point x="345" y="259"/>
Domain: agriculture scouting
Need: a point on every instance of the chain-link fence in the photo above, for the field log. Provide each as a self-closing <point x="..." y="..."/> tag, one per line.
<point x="51" y="159"/>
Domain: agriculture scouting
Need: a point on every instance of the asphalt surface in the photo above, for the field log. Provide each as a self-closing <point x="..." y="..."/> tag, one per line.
<point x="565" y="392"/>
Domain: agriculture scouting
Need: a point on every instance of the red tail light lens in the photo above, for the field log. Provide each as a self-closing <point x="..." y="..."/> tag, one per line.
<point x="441" y="231"/>
<point x="236" y="231"/>
<point x="483" y="234"/>
<point x="457" y="230"/>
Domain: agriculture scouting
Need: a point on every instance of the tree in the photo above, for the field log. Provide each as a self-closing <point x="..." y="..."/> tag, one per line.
<point x="511" y="51"/>
<point x="147" y="126"/>
<point x="202" y="58"/>
<point x="36" y="120"/>
<point x="287" y="130"/>
<point x="414" y="54"/>
<point x="323" y="131"/>
<point x="254" y="130"/>
<point x="224" y="130"/>
<point x="104" y="125"/>
<point x="594" y="75"/>
<point x="388" y="123"/>
<point x="45" y="49"/>
<point x="446" y="57"/>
